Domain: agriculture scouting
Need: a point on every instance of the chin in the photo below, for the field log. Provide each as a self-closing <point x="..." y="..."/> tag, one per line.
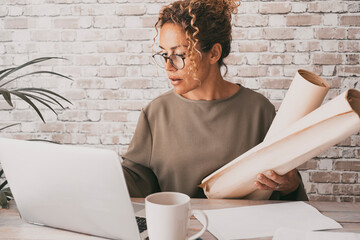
<point x="182" y="90"/>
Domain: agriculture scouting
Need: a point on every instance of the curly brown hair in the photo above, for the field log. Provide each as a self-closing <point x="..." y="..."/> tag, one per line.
<point x="205" y="23"/>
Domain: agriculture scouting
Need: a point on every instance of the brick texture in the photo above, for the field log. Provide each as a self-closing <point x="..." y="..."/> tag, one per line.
<point x="108" y="46"/>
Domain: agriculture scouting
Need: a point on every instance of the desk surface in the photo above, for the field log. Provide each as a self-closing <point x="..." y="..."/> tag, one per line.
<point x="13" y="228"/>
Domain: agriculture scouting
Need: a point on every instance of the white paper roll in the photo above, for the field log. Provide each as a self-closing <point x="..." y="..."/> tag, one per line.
<point x="289" y="148"/>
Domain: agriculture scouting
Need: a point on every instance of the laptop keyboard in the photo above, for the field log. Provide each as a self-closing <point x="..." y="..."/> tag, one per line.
<point x="141" y="224"/>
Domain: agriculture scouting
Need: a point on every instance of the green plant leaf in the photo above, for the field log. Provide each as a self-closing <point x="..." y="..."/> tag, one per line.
<point x="7" y="96"/>
<point x="40" y="100"/>
<point x="41" y="92"/>
<point x="37" y="72"/>
<point x="26" y="99"/>
<point x="3" y="200"/>
<point x="3" y="184"/>
<point x="7" y="192"/>
<point x="54" y="101"/>
<point x="4" y="193"/>
<point x="8" y="127"/>
<point x="38" y="90"/>
<point x="5" y="196"/>
<point x="37" y="60"/>
<point x="28" y="94"/>
<point x="5" y="70"/>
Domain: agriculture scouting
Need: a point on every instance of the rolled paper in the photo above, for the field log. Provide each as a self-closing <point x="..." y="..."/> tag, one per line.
<point x="306" y="93"/>
<point x="304" y="139"/>
<point x="308" y="87"/>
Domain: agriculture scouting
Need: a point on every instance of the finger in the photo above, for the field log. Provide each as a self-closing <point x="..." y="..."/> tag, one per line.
<point x="266" y="181"/>
<point x="293" y="173"/>
<point x="272" y="175"/>
<point x="261" y="186"/>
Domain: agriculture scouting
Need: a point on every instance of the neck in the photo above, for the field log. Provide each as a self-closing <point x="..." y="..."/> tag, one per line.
<point x="214" y="88"/>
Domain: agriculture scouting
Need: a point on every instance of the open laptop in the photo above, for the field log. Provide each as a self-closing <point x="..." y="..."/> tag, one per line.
<point x="69" y="187"/>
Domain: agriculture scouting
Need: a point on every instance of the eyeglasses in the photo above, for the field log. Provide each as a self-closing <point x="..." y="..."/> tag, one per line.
<point x="176" y="60"/>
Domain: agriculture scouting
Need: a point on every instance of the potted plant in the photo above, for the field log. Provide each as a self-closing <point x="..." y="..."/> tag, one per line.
<point x="29" y="95"/>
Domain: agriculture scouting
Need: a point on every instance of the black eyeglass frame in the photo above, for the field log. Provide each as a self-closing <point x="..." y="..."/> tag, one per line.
<point x="169" y="58"/>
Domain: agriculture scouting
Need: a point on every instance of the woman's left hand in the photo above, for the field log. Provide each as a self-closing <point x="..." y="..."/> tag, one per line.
<point x="285" y="184"/>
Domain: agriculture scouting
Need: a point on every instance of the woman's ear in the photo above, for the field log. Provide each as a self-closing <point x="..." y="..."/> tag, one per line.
<point x="215" y="53"/>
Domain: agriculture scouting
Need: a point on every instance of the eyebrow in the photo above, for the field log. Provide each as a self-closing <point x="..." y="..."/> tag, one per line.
<point x="173" y="48"/>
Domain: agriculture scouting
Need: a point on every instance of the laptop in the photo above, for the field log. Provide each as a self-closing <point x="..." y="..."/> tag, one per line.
<point x="75" y="188"/>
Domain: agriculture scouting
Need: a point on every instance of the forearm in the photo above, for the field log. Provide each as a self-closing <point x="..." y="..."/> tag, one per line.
<point x="140" y="180"/>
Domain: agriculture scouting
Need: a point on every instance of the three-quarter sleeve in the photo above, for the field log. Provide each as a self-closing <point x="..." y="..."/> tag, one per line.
<point x="140" y="179"/>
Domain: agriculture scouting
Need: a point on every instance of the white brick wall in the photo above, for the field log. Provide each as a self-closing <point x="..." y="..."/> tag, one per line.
<point x="108" y="47"/>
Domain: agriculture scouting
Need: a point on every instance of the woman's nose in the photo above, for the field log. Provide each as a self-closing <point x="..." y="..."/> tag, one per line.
<point x="169" y="66"/>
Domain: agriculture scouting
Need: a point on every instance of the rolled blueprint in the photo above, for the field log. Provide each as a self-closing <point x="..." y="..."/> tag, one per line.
<point x="306" y="93"/>
<point x="304" y="139"/>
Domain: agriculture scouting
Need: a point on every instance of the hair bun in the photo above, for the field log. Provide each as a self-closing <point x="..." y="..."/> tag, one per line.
<point x="232" y="5"/>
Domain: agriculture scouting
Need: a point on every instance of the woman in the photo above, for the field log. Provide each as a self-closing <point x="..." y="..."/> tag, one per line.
<point x="205" y="121"/>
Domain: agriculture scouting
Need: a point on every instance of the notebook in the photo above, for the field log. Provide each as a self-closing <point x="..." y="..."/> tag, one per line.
<point x="74" y="188"/>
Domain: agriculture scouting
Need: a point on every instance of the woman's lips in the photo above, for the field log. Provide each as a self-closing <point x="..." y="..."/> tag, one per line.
<point x="175" y="81"/>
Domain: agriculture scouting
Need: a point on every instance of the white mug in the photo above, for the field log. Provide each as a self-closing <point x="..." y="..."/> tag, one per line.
<point x="168" y="216"/>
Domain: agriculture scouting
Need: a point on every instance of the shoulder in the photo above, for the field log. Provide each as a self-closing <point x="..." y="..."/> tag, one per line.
<point x="260" y="112"/>
<point x="164" y="101"/>
<point x="257" y="100"/>
<point x="163" y="98"/>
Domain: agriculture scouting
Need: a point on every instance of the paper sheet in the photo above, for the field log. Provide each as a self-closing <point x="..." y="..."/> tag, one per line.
<point x="288" y="148"/>
<point x="295" y="234"/>
<point x="264" y="220"/>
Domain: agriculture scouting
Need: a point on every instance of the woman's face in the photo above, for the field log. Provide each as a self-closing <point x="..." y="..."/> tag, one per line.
<point x="173" y="41"/>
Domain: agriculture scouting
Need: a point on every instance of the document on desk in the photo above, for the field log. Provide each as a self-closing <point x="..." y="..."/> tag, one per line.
<point x="264" y="220"/>
<point x="294" y="234"/>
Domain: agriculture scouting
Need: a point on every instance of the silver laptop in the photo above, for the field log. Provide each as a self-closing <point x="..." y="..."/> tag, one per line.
<point x="68" y="187"/>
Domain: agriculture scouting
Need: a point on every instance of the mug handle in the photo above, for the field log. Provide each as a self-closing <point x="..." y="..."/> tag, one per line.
<point x="198" y="234"/>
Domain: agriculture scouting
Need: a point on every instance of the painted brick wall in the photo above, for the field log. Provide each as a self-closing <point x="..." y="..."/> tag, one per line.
<point x="108" y="47"/>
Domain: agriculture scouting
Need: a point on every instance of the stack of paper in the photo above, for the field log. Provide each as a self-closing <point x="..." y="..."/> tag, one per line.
<point x="264" y="220"/>
<point x="295" y="234"/>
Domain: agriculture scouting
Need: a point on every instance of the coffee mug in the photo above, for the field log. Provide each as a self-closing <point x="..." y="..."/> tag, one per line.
<point x="168" y="216"/>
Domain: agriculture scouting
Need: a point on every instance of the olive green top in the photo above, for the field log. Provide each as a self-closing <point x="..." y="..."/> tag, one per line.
<point x="178" y="142"/>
